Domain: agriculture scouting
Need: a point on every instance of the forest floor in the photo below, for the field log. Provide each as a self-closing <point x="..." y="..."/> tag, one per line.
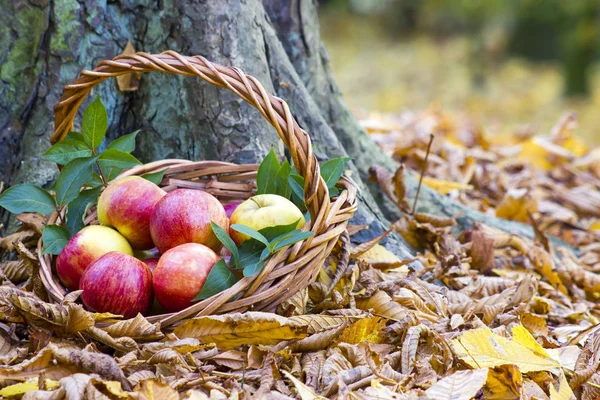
<point x="492" y="315"/>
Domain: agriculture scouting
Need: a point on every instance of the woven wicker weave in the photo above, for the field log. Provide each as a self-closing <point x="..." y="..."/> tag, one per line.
<point x="287" y="271"/>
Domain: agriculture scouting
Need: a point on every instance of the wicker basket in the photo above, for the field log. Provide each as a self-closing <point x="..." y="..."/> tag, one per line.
<point x="287" y="271"/>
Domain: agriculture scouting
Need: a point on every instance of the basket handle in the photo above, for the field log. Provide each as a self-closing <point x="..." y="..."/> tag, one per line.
<point x="274" y="109"/>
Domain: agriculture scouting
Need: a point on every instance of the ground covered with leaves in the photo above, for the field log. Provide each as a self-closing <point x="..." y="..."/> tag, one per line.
<point x="488" y="315"/>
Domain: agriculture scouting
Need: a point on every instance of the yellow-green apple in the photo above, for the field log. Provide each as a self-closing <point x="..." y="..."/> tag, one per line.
<point x="117" y="283"/>
<point x="126" y="204"/>
<point x="263" y="211"/>
<point x="181" y="273"/>
<point x="89" y="244"/>
<point x="184" y="216"/>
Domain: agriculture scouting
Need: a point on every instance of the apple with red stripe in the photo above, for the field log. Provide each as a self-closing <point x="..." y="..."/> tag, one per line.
<point x="127" y="204"/>
<point x="181" y="273"/>
<point x="84" y="248"/>
<point x="119" y="284"/>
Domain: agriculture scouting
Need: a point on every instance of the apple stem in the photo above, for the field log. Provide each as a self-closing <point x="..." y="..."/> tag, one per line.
<point x="255" y="202"/>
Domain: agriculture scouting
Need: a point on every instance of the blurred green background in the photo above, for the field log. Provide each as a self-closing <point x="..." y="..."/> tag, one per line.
<point x="505" y="64"/>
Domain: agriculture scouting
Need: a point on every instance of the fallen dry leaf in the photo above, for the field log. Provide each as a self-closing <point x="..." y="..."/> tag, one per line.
<point x="232" y="330"/>
<point x="481" y="348"/>
<point x="461" y="385"/>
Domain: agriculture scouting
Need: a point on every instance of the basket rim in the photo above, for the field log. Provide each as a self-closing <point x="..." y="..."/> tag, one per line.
<point x="277" y="265"/>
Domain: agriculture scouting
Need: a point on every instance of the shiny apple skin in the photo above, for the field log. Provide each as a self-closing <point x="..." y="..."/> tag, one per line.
<point x="181" y="273"/>
<point x="263" y="211"/>
<point x="117" y="283"/>
<point x="85" y="247"/>
<point x="126" y="204"/>
<point x="184" y="216"/>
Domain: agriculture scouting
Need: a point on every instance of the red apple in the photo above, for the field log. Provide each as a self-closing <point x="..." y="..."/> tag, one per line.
<point x="181" y="273"/>
<point x="89" y="244"/>
<point x="184" y="216"/>
<point x="230" y="207"/>
<point x="127" y="204"/>
<point x="119" y="284"/>
<point x="264" y="211"/>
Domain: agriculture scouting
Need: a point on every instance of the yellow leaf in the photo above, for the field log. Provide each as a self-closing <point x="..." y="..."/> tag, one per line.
<point x="24" y="387"/>
<point x="365" y="330"/>
<point x="152" y="389"/>
<point x="232" y="330"/>
<point x="112" y="387"/>
<point x="542" y="153"/>
<point x="575" y="146"/>
<point x="564" y="391"/>
<point x="461" y="385"/>
<point x="378" y="253"/>
<point x="515" y="205"/>
<point x="503" y="383"/>
<point x="595" y="226"/>
<point x="523" y="337"/>
<point x="481" y="348"/>
<point x="445" y="187"/>
<point x="304" y="391"/>
<point x="380" y="257"/>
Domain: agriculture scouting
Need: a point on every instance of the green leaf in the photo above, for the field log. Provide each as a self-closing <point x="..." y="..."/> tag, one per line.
<point x="155" y="177"/>
<point x="246" y="230"/>
<point x="227" y="242"/>
<point x="265" y="253"/>
<point x="250" y="251"/>
<point x="78" y="136"/>
<point x="297" y="184"/>
<point x="67" y="150"/>
<point x="289" y="239"/>
<point x="74" y="175"/>
<point x="219" y="278"/>
<point x="272" y="232"/>
<point x="265" y="177"/>
<point x="55" y="239"/>
<point x="95" y="181"/>
<point x="283" y="187"/>
<point x="27" y="198"/>
<point x="332" y="170"/>
<point x="125" y="143"/>
<point x="94" y="123"/>
<point x="111" y="158"/>
<point x="77" y="208"/>
<point x="253" y="269"/>
<point x="111" y="173"/>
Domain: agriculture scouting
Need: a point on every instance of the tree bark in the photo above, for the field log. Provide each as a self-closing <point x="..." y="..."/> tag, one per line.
<point x="278" y="42"/>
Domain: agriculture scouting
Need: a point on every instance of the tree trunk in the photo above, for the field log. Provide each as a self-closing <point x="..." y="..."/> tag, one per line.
<point x="46" y="43"/>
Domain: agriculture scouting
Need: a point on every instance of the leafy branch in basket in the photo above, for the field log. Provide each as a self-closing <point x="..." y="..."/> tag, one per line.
<point x="85" y="167"/>
<point x="283" y="179"/>
<point x="250" y="256"/>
